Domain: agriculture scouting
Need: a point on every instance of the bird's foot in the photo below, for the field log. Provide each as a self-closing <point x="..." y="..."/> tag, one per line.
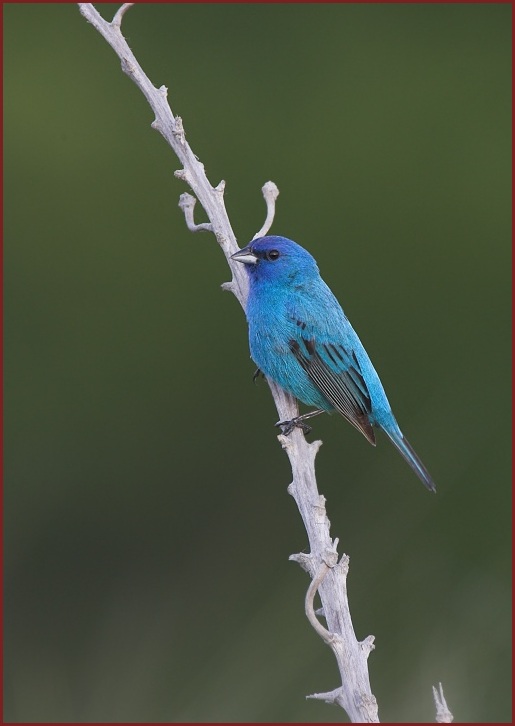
<point x="256" y="375"/>
<point x="298" y="422"/>
<point x="288" y="426"/>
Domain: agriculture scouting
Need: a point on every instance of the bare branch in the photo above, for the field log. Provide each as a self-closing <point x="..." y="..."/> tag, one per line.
<point x="171" y="128"/>
<point x="329" y="577"/>
<point x="443" y="715"/>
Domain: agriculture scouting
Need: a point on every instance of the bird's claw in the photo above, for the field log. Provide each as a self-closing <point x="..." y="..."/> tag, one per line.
<point x="288" y="426"/>
<point x="298" y="422"/>
<point x="256" y="375"/>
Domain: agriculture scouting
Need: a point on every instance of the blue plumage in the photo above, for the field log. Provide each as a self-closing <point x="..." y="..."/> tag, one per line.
<point x="300" y="338"/>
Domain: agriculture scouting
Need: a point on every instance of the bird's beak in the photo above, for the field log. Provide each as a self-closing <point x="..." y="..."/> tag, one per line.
<point x="245" y="255"/>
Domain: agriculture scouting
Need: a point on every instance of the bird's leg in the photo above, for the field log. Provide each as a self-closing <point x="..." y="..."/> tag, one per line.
<point x="256" y="375"/>
<point x="298" y="422"/>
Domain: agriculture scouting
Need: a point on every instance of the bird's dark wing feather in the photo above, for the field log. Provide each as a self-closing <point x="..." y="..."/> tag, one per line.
<point x="336" y="373"/>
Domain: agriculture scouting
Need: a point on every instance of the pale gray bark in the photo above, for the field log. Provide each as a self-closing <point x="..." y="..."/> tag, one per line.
<point x="328" y="573"/>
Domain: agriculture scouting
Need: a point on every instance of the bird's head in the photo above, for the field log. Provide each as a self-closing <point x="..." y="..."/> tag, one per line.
<point x="277" y="259"/>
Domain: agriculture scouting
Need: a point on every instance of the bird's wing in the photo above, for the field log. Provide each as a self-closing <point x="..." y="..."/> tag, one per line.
<point x="334" y="369"/>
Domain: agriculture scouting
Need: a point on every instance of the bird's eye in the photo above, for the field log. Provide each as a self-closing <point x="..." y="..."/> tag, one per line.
<point x="273" y="255"/>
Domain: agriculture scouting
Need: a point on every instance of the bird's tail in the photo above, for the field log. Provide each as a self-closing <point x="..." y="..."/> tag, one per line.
<point x="404" y="447"/>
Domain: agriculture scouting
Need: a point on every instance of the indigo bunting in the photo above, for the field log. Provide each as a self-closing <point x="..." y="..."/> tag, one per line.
<point x="300" y="338"/>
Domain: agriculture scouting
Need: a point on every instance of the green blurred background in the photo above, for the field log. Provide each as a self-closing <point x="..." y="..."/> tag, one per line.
<point x="147" y="523"/>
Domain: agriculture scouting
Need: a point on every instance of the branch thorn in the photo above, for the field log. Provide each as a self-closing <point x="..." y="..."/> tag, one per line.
<point x="228" y="286"/>
<point x="367" y="645"/>
<point x="329" y="697"/>
<point x="304" y="560"/>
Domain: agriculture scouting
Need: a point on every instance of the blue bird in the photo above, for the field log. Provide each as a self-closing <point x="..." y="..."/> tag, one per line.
<point x="300" y="338"/>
